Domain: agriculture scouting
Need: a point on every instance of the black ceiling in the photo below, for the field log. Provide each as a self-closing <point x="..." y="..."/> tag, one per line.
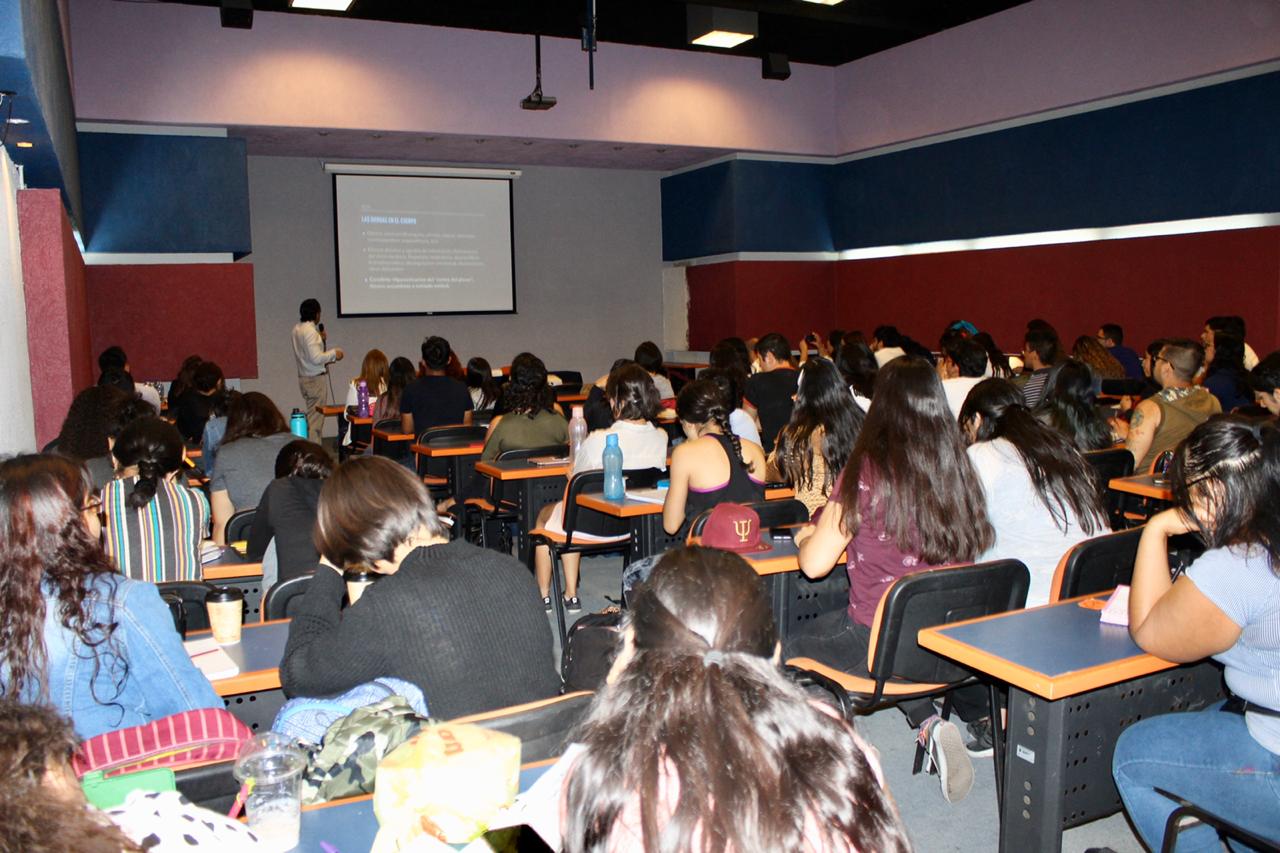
<point x="806" y="32"/>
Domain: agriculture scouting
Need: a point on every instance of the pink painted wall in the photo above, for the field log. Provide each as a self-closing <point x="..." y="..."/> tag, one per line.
<point x="1044" y="55"/>
<point x="173" y="63"/>
<point x="62" y="363"/>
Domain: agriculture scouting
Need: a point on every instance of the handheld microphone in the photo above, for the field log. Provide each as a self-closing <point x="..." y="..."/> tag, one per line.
<point x="320" y="328"/>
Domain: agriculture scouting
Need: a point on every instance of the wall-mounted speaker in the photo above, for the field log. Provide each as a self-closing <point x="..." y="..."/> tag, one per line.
<point x="774" y="66"/>
<point x="237" y="14"/>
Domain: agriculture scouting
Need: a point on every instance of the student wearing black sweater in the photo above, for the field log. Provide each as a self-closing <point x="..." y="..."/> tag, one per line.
<point x="454" y="619"/>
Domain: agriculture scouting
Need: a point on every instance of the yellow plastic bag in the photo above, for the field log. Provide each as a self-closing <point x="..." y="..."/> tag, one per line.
<point x="448" y="781"/>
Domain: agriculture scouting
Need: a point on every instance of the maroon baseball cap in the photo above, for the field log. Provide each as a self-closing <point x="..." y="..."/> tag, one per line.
<point x="733" y="527"/>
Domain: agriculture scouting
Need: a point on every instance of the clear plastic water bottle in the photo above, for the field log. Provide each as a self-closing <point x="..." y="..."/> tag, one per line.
<point x="298" y="423"/>
<point x="577" y="432"/>
<point x="612" y="464"/>
<point x="362" y="399"/>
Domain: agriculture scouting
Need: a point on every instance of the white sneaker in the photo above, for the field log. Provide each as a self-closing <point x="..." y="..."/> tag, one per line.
<point x="945" y="748"/>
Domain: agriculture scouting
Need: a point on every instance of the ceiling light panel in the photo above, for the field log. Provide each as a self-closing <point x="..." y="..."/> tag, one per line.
<point x="711" y="26"/>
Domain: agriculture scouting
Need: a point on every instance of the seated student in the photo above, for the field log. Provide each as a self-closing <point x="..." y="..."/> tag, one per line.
<point x="434" y="399"/>
<point x="43" y="807"/>
<point x="997" y="361"/>
<point x="768" y="393"/>
<point x="1111" y="336"/>
<point x="480" y="384"/>
<point x="400" y="375"/>
<point x="100" y="647"/>
<point x="374" y="371"/>
<point x="121" y="415"/>
<point x="114" y="358"/>
<point x="649" y="357"/>
<point x="1090" y="351"/>
<point x="811" y="450"/>
<point x="1226" y="758"/>
<point x="858" y="366"/>
<point x="634" y="401"/>
<point x="1041" y="494"/>
<point x="83" y="436"/>
<point x="1163" y="420"/>
<point x="909" y="445"/>
<point x="1225" y="377"/>
<point x="154" y="523"/>
<point x="597" y="409"/>
<point x="287" y="512"/>
<point x="713" y="465"/>
<point x="1232" y="324"/>
<point x="962" y="366"/>
<point x="1069" y="405"/>
<point x="190" y="410"/>
<point x="186" y="372"/>
<point x="731" y="382"/>
<point x="215" y="429"/>
<point x="456" y="620"/>
<point x="1265" y="381"/>
<point x="698" y="736"/>
<point x="256" y="431"/>
<point x="1039" y="354"/>
<point x="532" y="418"/>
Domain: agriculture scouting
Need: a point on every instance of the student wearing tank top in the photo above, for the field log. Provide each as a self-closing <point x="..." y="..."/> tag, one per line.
<point x="1163" y="420"/>
<point x="713" y="466"/>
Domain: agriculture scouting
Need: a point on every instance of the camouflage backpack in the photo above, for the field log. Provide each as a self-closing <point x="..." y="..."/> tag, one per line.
<point x="346" y="761"/>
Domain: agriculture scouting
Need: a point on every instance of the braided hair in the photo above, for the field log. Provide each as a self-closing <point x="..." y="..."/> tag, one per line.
<point x="155" y="446"/>
<point x="702" y="401"/>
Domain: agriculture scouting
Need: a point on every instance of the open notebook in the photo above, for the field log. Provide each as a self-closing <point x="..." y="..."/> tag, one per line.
<point x="210" y="659"/>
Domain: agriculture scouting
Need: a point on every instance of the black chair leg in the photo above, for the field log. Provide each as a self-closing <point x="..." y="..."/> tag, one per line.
<point x="997" y="743"/>
<point x="557" y="599"/>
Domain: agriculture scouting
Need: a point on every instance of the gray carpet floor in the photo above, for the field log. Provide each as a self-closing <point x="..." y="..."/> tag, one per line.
<point x="936" y="826"/>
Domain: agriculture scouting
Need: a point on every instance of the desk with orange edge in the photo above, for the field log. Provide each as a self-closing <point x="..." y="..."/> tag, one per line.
<point x="530" y="487"/>
<point x="330" y="411"/>
<point x="459" y="456"/>
<point x="1074" y="685"/>
<point x="1143" y="485"/>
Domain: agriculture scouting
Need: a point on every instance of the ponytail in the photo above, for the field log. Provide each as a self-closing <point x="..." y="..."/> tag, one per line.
<point x="144" y="490"/>
<point x="155" y="446"/>
<point x="721" y="418"/>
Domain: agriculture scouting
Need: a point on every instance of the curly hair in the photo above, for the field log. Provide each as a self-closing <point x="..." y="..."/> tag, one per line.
<point x="528" y="393"/>
<point x="33" y="817"/>
<point x="43" y="540"/>
<point x="84" y="430"/>
<point x="702" y="709"/>
<point x="701" y="402"/>
<point x="1089" y="350"/>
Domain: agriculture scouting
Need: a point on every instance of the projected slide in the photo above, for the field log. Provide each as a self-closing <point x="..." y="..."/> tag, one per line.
<point x="423" y="245"/>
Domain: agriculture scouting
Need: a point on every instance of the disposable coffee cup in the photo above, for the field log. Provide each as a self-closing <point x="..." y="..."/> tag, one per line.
<point x="270" y="768"/>
<point x="357" y="582"/>
<point x="225" y="606"/>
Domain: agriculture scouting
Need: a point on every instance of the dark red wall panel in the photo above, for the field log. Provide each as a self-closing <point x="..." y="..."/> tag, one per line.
<point x="57" y="314"/>
<point x="162" y="313"/>
<point x="1153" y="286"/>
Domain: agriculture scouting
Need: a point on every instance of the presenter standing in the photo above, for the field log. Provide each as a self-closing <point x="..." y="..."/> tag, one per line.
<point x="313" y="360"/>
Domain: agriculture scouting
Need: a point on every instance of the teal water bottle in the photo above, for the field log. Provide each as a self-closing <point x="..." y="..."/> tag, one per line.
<point x="613" y="486"/>
<point x="298" y="423"/>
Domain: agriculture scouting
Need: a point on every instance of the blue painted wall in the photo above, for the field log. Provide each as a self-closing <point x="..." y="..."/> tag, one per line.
<point x="1208" y="152"/>
<point x="165" y="194"/>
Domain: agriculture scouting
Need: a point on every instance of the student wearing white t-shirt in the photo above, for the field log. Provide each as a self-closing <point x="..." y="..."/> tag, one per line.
<point x="634" y="400"/>
<point x="1041" y="494"/>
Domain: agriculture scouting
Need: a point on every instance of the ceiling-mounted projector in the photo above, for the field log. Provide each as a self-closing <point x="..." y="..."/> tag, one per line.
<point x="536" y="100"/>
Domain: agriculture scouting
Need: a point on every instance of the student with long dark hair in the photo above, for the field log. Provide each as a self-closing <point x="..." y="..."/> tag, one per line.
<point x="1042" y="497"/>
<point x="813" y="447"/>
<point x="484" y="391"/>
<point x="713" y="465"/>
<point x="1226" y="758"/>
<point x="99" y="647"/>
<point x="532" y="418"/>
<point x="154" y="523"/>
<point x="908" y="499"/>
<point x="287" y="512"/>
<point x="633" y="400"/>
<point x="698" y="742"/>
<point x="1225" y="377"/>
<point x="732" y="383"/>
<point x="858" y="365"/>
<point x="256" y="431"/>
<point x="399" y="375"/>
<point x="83" y="436"/>
<point x="649" y="357"/>
<point x="1069" y="406"/>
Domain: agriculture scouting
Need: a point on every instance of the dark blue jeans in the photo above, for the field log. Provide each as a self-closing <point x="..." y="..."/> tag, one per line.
<point x="1207" y="758"/>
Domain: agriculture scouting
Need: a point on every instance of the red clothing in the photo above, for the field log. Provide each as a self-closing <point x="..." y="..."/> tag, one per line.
<point x="874" y="560"/>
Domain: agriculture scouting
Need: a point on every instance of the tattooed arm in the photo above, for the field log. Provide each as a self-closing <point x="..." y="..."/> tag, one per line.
<point x="1142" y="429"/>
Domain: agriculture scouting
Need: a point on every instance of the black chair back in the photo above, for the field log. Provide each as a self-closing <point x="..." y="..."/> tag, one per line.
<point x="1096" y="565"/>
<point x="588" y="482"/>
<point x="239" y="525"/>
<point x="284" y="595"/>
<point x="1107" y="465"/>
<point x="778" y="513"/>
<point x="189" y="612"/>
<point x="939" y="597"/>
<point x="397" y="450"/>
<point x="543" y="727"/>
<point x="441" y="434"/>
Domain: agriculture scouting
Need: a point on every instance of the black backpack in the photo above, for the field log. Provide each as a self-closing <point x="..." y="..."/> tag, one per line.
<point x="593" y="644"/>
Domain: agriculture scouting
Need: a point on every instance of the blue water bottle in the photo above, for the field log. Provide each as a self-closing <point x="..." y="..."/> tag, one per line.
<point x="613" y="486"/>
<point x="362" y="399"/>
<point x="298" y="423"/>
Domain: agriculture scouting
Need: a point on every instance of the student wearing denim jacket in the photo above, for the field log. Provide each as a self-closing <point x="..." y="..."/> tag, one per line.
<point x="98" y="647"/>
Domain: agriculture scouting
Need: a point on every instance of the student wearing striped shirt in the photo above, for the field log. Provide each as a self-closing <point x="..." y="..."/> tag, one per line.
<point x="154" y="523"/>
